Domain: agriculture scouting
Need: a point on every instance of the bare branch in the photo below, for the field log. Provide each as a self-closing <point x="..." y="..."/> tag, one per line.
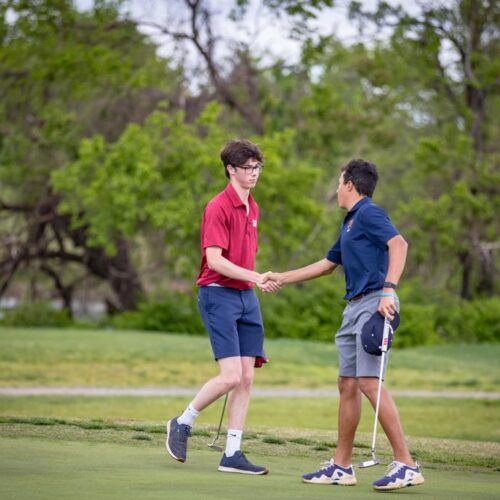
<point x="199" y="18"/>
<point x="16" y="208"/>
<point x="452" y="97"/>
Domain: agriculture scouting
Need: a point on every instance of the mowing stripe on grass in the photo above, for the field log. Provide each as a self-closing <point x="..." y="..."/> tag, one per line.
<point x="272" y="441"/>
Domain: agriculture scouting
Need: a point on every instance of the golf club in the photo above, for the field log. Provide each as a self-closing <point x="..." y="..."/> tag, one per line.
<point x="385" y="342"/>
<point x="212" y="444"/>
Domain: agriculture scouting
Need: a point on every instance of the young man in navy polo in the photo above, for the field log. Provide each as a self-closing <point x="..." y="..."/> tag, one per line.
<point x="228" y="305"/>
<point x="373" y="255"/>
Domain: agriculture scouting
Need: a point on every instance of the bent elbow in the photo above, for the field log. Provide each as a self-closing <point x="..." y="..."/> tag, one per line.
<point x="398" y="242"/>
<point x="329" y="268"/>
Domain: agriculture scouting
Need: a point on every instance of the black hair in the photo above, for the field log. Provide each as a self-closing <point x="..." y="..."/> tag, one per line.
<point x="362" y="174"/>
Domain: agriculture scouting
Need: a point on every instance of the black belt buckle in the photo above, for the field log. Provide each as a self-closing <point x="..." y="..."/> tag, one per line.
<point x="361" y="295"/>
<point x="358" y="297"/>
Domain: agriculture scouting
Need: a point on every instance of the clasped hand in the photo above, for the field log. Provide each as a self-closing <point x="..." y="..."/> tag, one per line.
<point x="269" y="282"/>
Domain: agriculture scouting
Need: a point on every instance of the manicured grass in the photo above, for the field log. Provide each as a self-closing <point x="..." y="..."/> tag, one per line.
<point x="282" y="441"/>
<point x="79" y="462"/>
<point x="113" y="447"/>
<point x="469" y="419"/>
<point x="37" y="357"/>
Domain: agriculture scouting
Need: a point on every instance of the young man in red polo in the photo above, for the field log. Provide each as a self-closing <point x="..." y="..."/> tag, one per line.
<point x="228" y="305"/>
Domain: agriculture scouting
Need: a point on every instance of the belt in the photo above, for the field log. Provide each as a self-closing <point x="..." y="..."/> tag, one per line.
<point x="364" y="294"/>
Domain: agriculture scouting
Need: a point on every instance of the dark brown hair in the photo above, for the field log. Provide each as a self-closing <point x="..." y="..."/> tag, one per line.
<point x="237" y="152"/>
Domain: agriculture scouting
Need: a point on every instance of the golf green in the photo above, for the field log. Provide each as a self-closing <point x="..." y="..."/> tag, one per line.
<point x="48" y="469"/>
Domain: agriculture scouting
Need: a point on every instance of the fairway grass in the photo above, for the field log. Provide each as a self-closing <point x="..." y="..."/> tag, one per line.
<point x="113" y="447"/>
<point x="464" y="419"/>
<point x="86" y="459"/>
<point x="102" y="358"/>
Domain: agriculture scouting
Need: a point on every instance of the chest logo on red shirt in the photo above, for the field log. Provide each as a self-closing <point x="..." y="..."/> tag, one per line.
<point x="254" y="222"/>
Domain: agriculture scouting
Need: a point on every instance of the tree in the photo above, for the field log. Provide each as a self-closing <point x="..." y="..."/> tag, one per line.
<point x="67" y="75"/>
<point x="160" y="176"/>
<point x="446" y="73"/>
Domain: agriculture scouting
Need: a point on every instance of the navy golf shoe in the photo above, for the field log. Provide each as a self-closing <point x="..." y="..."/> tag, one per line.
<point x="240" y="464"/>
<point x="177" y="437"/>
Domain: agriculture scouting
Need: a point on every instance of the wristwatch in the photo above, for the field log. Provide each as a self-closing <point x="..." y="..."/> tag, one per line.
<point x="388" y="284"/>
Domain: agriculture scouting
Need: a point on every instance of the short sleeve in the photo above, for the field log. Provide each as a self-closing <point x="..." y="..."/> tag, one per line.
<point x="215" y="227"/>
<point x="334" y="254"/>
<point x="377" y="226"/>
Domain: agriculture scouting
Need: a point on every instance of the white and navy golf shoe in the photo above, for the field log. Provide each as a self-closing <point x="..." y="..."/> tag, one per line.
<point x="399" y="475"/>
<point x="331" y="473"/>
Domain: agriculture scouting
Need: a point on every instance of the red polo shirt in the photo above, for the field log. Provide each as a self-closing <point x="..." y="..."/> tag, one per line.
<point x="225" y="224"/>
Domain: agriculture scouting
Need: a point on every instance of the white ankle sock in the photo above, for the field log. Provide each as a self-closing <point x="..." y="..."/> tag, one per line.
<point x="233" y="441"/>
<point x="189" y="415"/>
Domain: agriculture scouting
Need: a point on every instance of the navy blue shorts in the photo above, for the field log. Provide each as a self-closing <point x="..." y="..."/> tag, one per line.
<point x="233" y="321"/>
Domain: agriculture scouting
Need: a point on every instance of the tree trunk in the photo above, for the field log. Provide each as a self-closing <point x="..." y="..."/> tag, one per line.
<point x="65" y="291"/>
<point x="486" y="284"/>
<point x="117" y="269"/>
<point x="120" y="273"/>
<point x="466" y="261"/>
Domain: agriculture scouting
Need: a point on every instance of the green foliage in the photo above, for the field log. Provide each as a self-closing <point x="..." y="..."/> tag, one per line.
<point x="36" y="314"/>
<point x="311" y="310"/>
<point x="67" y="72"/>
<point x="90" y="115"/>
<point x="175" y="313"/>
<point x="469" y="321"/>
<point x="441" y="219"/>
<point x="418" y="326"/>
<point x="146" y="179"/>
<point x="162" y="175"/>
<point x="314" y="311"/>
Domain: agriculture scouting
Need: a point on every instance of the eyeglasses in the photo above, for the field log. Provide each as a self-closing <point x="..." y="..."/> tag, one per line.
<point x="251" y="169"/>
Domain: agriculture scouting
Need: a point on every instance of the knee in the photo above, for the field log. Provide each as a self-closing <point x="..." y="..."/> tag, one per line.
<point x="348" y="386"/>
<point x="231" y="379"/>
<point x="247" y="380"/>
<point x="369" y="386"/>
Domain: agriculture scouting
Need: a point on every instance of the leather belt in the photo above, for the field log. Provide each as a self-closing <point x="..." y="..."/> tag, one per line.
<point x="364" y="294"/>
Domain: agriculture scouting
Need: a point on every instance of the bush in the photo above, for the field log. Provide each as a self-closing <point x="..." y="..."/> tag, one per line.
<point x="36" y="314"/>
<point x="313" y="310"/>
<point x="418" y="326"/>
<point x="177" y="312"/>
<point x="459" y="320"/>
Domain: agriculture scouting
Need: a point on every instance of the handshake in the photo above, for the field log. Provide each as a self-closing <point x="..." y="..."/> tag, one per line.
<point x="269" y="282"/>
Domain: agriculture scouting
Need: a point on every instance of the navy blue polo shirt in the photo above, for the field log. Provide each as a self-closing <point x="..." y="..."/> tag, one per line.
<point x="361" y="247"/>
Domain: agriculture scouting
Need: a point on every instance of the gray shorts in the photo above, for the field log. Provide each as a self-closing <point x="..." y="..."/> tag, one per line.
<point x="353" y="360"/>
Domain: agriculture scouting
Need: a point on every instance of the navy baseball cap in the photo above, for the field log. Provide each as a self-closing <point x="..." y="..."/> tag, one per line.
<point x="372" y="333"/>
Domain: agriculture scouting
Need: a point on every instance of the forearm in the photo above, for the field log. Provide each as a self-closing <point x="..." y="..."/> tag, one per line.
<point x="398" y="249"/>
<point x="225" y="267"/>
<point x="315" y="270"/>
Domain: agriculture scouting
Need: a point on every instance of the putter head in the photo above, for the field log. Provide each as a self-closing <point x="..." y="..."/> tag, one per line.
<point x="369" y="463"/>
<point x="214" y="446"/>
